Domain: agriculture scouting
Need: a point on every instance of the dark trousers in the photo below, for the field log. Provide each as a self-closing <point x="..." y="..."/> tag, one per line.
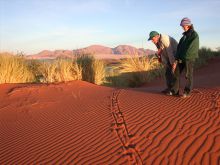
<point x="186" y="66"/>
<point x="169" y="76"/>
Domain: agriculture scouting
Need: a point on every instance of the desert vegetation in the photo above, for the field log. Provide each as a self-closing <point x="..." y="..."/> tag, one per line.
<point x="134" y="71"/>
<point x="204" y="55"/>
<point x="130" y="72"/>
<point x="14" y="69"/>
<point x="93" y="70"/>
<point x="17" y="69"/>
<point x="59" y="70"/>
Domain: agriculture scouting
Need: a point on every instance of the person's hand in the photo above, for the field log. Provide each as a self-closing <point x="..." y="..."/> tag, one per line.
<point x="159" y="52"/>
<point x="174" y="66"/>
<point x="159" y="55"/>
<point x="158" y="58"/>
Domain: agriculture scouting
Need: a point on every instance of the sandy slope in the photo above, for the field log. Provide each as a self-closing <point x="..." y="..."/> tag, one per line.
<point x="81" y="123"/>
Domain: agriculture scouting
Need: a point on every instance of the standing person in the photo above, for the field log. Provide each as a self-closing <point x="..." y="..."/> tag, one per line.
<point x="167" y="47"/>
<point x="187" y="52"/>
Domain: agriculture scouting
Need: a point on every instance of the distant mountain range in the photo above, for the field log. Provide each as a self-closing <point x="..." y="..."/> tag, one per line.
<point x="101" y="52"/>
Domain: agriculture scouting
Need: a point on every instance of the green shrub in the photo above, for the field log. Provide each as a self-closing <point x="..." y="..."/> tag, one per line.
<point x="204" y="55"/>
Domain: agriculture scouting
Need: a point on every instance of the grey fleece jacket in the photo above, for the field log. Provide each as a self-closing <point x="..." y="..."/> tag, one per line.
<point x="168" y="45"/>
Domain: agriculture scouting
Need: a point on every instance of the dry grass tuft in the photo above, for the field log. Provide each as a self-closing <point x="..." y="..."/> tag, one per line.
<point x="139" y="70"/>
<point x="14" y="69"/>
<point x="93" y="70"/>
<point x="60" y="70"/>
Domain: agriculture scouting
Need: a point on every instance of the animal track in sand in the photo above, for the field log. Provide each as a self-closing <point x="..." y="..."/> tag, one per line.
<point x="130" y="149"/>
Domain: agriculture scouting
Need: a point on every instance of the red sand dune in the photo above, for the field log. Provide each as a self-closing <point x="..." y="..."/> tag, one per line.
<point x="82" y="123"/>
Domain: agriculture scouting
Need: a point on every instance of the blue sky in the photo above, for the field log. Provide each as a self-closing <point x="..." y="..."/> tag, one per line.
<point x="31" y="26"/>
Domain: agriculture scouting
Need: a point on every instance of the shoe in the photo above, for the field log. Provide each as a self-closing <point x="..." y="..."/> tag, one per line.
<point x="172" y="93"/>
<point x="185" y="95"/>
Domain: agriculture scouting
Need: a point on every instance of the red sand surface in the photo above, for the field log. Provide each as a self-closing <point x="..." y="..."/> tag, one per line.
<point x="82" y="123"/>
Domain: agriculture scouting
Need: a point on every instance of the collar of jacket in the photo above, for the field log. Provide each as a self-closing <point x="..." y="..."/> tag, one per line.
<point x="158" y="45"/>
<point x="188" y="32"/>
<point x="160" y="39"/>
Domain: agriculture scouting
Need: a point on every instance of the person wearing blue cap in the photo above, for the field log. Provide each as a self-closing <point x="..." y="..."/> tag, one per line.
<point x="167" y="47"/>
<point x="187" y="52"/>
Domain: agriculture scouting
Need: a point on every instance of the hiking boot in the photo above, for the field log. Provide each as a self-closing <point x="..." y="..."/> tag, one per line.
<point x="172" y="93"/>
<point x="185" y="95"/>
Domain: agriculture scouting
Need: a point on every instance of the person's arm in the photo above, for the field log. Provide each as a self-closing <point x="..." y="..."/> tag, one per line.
<point x="174" y="66"/>
<point x="158" y="53"/>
